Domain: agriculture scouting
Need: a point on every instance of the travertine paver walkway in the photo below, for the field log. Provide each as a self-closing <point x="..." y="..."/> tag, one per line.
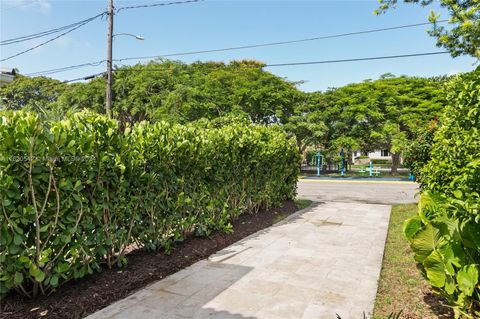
<point x="319" y="262"/>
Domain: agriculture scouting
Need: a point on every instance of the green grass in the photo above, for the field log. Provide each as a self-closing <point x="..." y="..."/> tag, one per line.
<point x="302" y="203"/>
<point x="401" y="286"/>
<point x="374" y="165"/>
<point x="299" y="203"/>
<point x="357" y="174"/>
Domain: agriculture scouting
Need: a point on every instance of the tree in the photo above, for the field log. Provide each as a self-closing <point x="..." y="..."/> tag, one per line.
<point x="463" y="35"/>
<point x="306" y="123"/>
<point x="417" y="153"/>
<point x="179" y="92"/>
<point x="32" y="94"/>
<point x="381" y="114"/>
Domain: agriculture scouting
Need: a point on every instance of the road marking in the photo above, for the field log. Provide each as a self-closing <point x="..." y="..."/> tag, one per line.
<point x="351" y="181"/>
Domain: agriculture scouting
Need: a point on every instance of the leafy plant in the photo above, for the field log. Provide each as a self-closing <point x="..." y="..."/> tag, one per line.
<point x="417" y="154"/>
<point x="445" y="235"/>
<point x="75" y="193"/>
<point x="462" y="35"/>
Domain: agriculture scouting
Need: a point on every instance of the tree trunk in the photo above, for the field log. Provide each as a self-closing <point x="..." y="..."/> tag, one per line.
<point x="395" y="162"/>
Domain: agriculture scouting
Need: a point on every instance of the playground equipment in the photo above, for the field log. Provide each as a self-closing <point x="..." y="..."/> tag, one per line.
<point x="342" y="162"/>
<point x="318" y="160"/>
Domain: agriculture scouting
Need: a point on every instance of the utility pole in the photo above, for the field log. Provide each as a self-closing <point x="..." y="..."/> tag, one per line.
<point x="108" y="95"/>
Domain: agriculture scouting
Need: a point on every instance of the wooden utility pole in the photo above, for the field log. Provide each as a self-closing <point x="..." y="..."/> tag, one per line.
<point x="108" y="95"/>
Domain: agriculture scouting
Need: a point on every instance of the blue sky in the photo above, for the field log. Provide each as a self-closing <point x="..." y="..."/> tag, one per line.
<point x="217" y="24"/>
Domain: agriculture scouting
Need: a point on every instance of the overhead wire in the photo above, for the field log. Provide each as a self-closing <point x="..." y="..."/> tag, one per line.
<point x="47" y="32"/>
<point x="295" y="63"/>
<point x="157" y="4"/>
<point x="56" y="30"/>
<point x="51" y="71"/>
<point x="89" y="77"/>
<point x="357" y="59"/>
<point x="67" y="68"/>
<point x="275" y="43"/>
<point x="52" y="39"/>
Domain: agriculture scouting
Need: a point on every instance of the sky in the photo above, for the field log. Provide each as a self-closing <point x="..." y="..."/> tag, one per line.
<point x="212" y="24"/>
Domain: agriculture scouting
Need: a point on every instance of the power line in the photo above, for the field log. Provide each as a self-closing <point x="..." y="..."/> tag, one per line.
<point x="47" y="32"/>
<point x="358" y="59"/>
<point x="293" y="63"/>
<point x="276" y="43"/>
<point x="89" y="77"/>
<point x="67" y="68"/>
<point x="157" y="4"/>
<point x="51" y="71"/>
<point x="52" y="39"/>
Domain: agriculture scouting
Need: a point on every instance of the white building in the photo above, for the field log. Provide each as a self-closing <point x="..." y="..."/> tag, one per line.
<point x="377" y="154"/>
<point x="7" y="75"/>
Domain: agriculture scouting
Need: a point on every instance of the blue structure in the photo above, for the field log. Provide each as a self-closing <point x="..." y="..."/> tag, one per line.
<point x="342" y="163"/>
<point x="371" y="169"/>
<point x="318" y="160"/>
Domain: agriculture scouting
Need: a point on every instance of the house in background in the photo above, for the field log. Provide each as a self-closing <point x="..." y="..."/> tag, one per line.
<point x="377" y="155"/>
<point x="7" y="75"/>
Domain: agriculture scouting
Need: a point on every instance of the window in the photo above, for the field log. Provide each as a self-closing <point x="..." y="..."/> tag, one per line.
<point x="385" y="153"/>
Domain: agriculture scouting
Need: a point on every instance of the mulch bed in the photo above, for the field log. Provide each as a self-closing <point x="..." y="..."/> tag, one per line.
<point x="77" y="299"/>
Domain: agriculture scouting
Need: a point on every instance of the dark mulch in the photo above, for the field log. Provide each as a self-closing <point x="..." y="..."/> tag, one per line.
<point x="77" y="299"/>
<point x="438" y="305"/>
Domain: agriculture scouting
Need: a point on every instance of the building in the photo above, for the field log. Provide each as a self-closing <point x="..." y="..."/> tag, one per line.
<point x="7" y="75"/>
<point x="377" y="155"/>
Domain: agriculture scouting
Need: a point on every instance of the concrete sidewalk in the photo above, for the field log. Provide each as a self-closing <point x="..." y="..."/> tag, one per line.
<point x="320" y="262"/>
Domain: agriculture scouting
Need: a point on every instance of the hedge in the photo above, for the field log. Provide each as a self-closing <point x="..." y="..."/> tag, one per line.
<point x="75" y="193"/>
<point x="445" y="235"/>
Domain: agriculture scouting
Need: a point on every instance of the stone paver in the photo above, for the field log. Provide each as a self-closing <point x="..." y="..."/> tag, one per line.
<point x="319" y="262"/>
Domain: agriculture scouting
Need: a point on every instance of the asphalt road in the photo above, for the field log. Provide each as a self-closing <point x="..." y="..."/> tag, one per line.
<point x="369" y="192"/>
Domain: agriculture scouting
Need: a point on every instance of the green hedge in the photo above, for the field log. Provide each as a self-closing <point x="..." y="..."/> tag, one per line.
<point x="75" y="194"/>
<point x="445" y="236"/>
<point x="417" y="153"/>
<point x="381" y="161"/>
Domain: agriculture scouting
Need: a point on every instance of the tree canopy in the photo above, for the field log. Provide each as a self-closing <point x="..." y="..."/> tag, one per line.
<point x="381" y="114"/>
<point x="462" y="37"/>
<point x="32" y="94"/>
<point x="179" y="92"/>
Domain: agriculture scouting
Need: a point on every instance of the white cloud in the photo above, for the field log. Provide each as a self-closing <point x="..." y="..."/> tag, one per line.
<point x="43" y="5"/>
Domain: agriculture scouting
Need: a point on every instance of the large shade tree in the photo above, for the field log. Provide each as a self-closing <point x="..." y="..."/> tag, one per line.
<point x="385" y="113"/>
<point x="34" y="94"/>
<point x="179" y="92"/>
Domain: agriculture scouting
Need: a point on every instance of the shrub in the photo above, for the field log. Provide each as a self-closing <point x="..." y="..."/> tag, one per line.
<point x="445" y="235"/>
<point x="74" y="194"/>
<point x="381" y="161"/>
<point x="417" y="154"/>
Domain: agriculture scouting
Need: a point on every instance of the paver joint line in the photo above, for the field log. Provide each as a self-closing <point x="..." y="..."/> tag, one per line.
<point x="293" y="269"/>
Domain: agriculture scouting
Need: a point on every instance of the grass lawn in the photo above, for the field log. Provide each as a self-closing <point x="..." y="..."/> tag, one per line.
<point x="302" y="203"/>
<point x="401" y="286"/>
<point x="356" y="174"/>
